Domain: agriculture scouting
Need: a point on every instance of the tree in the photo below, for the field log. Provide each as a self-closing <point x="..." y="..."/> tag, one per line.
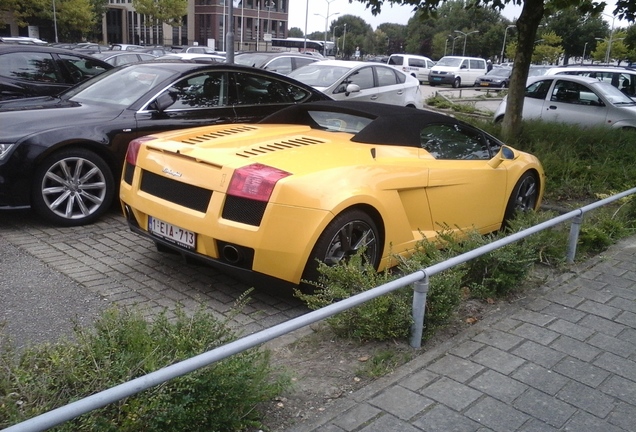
<point x="295" y="32"/>
<point x="578" y="32"/>
<point x="532" y="12"/>
<point x="548" y="49"/>
<point x="75" y="19"/>
<point x="164" y="11"/>
<point x="359" y="34"/>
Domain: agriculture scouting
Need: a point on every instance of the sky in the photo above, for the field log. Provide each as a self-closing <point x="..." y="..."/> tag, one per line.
<point x="391" y="14"/>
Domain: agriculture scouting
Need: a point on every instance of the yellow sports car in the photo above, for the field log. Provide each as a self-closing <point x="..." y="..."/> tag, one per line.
<point x="319" y="181"/>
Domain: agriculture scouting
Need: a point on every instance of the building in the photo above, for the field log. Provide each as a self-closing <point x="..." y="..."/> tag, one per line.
<point x="205" y="24"/>
<point x="255" y="21"/>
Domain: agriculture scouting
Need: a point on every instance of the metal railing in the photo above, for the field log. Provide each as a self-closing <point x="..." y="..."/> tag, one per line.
<point x="419" y="279"/>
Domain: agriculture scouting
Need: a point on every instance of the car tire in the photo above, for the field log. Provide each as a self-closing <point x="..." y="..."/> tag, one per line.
<point x="524" y="196"/>
<point x="457" y="83"/>
<point x="73" y="187"/>
<point x="350" y="227"/>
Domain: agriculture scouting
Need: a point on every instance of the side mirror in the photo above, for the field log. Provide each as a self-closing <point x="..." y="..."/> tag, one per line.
<point x="165" y="100"/>
<point x="505" y="153"/>
<point x="352" y="88"/>
<point x="463" y="66"/>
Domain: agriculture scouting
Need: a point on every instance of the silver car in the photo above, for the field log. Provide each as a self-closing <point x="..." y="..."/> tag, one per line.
<point x="577" y="100"/>
<point x="364" y="81"/>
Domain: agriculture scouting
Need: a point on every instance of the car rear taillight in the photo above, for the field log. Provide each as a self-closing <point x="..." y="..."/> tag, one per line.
<point x="255" y="181"/>
<point x="133" y="148"/>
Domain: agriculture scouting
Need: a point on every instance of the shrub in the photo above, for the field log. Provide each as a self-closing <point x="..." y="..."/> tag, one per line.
<point x="123" y="346"/>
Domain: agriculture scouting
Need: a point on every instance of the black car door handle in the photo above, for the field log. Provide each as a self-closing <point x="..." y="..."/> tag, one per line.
<point x="552" y="107"/>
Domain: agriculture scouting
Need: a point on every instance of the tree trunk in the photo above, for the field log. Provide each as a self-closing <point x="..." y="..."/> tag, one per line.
<point x="527" y="26"/>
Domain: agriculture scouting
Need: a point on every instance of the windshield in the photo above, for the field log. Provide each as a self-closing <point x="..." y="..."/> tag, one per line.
<point x="317" y="75"/>
<point x="502" y="72"/>
<point x="612" y="94"/>
<point x="254" y="60"/>
<point x="119" y="86"/>
<point x="449" y="61"/>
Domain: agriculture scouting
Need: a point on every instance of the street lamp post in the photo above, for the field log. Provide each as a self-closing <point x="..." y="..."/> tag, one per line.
<point x="503" y="47"/>
<point x="466" y="37"/>
<point x="583" y="57"/>
<point x="609" y="42"/>
<point x="269" y="6"/>
<point x="344" y="39"/>
<point x="454" y="39"/>
<point x="324" y="48"/>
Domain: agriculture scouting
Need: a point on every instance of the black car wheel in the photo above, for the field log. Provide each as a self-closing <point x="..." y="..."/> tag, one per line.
<point x="457" y="82"/>
<point x="73" y="187"/>
<point x="349" y="232"/>
<point x="524" y="196"/>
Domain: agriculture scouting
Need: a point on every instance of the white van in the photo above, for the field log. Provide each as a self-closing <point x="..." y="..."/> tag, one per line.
<point x="623" y="78"/>
<point x="457" y="71"/>
<point x="414" y="65"/>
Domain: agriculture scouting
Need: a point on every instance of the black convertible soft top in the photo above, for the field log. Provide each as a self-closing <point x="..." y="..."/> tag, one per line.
<point x="392" y="125"/>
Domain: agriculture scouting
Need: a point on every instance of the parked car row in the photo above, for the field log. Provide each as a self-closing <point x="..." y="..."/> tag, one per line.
<point x="244" y="167"/>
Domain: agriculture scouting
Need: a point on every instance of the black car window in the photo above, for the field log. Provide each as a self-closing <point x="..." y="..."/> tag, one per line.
<point x="282" y="65"/>
<point x="30" y="66"/>
<point x="303" y="61"/>
<point x="248" y="89"/>
<point x="200" y="91"/>
<point x="452" y="141"/>
<point x="396" y="60"/>
<point x="573" y="93"/>
<point x="79" y="68"/>
<point x="539" y="89"/>
<point x="386" y="76"/>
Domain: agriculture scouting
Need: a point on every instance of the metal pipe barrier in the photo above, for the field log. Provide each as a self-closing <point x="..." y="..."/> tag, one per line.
<point x="420" y="279"/>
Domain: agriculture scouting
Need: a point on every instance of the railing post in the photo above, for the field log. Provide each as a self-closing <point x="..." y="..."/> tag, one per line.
<point x="575" y="229"/>
<point x="420" y="289"/>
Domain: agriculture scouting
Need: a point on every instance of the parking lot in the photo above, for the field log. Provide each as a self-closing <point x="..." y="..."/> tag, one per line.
<point x="53" y="275"/>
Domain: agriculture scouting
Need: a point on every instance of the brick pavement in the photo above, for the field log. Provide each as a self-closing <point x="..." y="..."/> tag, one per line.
<point x="562" y="359"/>
<point x="110" y="261"/>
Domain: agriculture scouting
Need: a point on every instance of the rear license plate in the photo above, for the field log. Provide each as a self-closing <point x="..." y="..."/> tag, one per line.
<point x="437" y="78"/>
<point x="172" y="233"/>
<point x="484" y="84"/>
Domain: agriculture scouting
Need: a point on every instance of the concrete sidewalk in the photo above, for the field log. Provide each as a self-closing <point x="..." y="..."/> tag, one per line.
<point x="563" y="360"/>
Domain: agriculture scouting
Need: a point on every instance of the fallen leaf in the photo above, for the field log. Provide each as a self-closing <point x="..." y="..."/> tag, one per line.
<point x="471" y="320"/>
<point x="363" y="358"/>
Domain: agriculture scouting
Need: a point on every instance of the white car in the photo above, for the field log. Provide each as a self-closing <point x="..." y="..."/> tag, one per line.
<point x="577" y="100"/>
<point x="365" y="81"/>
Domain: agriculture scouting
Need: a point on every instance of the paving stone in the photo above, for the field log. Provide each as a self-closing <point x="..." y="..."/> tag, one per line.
<point x="497" y="415"/>
<point x="613" y="345"/>
<point x="357" y="416"/>
<point x="628" y="335"/>
<point x="419" y="379"/>
<point x="593" y="290"/>
<point x="581" y="371"/>
<point x="498" y="360"/>
<point x="498" y="386"/>
<point x="575" y="331"/>
<point x="454" y="367"/>
<point x="535" y="333"/>
<point x="534" y="425"/>
<point x="602" y="325"/>
<point x="620" y="388"/>
<point x="507" y="324"/>
<point x="531" y="317"/>
<point x="574" y="348"/>
<point x="451" y="393"/>
<point x="599" y="309"/>
<point x="627" y="318"/>
<point x="388" y="423"/>
<point x="563" y="312"/>
<point x="565" y="299"/>
<point x="466" y="349"/>
<point x="584" y="422"/>
<point x="498" y="339"/>
<point x="542" y="355"/>
<point x="400" y="402"/>
<point x="623" y="416"/>
<point x="442" y="419"/>
<point x="540" y="378"/>
<point x="617" y="365"/>
<point x="544" y="407"/>
<point x="623" y="304"/>
<point x="586" y="398"/>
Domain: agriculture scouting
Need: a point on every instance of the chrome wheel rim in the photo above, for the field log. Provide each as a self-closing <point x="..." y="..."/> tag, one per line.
<point x="527" y="195"/>
<point x="349" y="239"/>
<point x="73" y="188"/>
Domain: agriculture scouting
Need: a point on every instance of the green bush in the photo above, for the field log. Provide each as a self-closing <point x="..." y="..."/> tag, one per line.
<point x="123" y="346"/>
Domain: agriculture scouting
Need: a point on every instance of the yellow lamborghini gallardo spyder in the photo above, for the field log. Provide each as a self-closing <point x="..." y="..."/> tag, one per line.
<point x="318" y="181"/>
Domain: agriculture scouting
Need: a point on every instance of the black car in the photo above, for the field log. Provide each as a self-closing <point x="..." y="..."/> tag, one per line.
<point x="282" y="63"/>
<point x="34" y="70"/>
<point x="498" y="77"/>
<point x="61" y="155"/>
<point x="118" y="58"/>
